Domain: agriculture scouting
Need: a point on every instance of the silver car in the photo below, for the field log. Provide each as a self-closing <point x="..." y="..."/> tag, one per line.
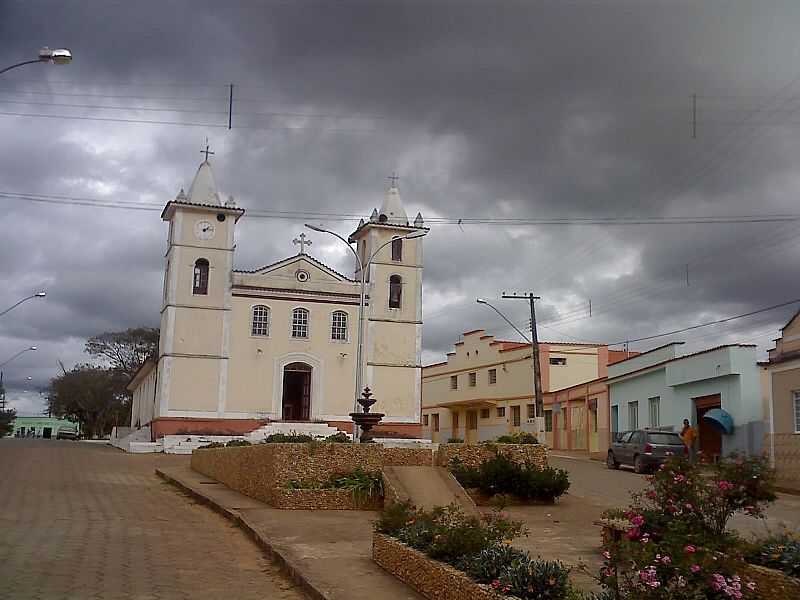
<point x="643" y="449"/>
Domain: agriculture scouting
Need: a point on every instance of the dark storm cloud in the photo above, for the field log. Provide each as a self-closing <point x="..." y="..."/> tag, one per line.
<point x="503" y="109"/>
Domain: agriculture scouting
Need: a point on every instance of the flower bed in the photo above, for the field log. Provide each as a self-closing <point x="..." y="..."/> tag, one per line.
<point x="501" y="478"/>
<point x="446" y="554"/>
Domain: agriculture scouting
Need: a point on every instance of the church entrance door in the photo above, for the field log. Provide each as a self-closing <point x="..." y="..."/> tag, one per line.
<point x="297" y="392"/>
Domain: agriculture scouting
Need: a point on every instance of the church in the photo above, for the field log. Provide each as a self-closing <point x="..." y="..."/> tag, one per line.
<point x="241" y="347"/>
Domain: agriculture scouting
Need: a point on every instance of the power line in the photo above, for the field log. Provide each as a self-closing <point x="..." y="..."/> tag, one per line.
<point x="725" y="320"/>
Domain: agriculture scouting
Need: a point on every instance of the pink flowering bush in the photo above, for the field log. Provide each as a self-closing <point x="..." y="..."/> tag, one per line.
<point x="674" y="542"/>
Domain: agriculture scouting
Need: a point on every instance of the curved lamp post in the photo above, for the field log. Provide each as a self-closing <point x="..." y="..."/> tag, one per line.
<point x="17" y="355"/>
<point x="359" y="376"/>
<point x="36" y="295"/>
<point x="57" y="56"/>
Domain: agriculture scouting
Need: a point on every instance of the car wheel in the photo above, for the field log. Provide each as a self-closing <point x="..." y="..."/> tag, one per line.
<point x="611" y="462"/>
<point x="638" y="465"/>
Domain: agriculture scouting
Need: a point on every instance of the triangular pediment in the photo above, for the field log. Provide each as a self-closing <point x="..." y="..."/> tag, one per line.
<point x="289" y="268"/>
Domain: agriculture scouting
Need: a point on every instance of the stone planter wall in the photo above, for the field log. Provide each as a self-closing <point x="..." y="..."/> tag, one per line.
<point x="263" y="471"/>
<point x="771" y="584"/>
<point x="431" y="578"/>
<point x="290" y="499"/>
<point x="473" y="455"/>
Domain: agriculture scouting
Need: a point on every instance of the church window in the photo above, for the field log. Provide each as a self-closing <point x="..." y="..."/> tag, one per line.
<point x="395" y="291"/>
<point x="339" y="326"/>
<point x="200" y="283"/>
<point x="300" y="323"/>
<point x="397" y="249"/>
<point x="260" y="325"/>
<point x="166" y="281"/>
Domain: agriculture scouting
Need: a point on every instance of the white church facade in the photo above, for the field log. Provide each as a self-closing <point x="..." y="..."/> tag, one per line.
<point x="278" y="343"/>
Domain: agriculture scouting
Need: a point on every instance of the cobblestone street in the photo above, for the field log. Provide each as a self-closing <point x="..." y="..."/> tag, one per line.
<point x="81" y="520"/>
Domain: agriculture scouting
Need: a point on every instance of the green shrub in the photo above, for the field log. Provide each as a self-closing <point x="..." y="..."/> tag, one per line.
<point x="455" y="440"/>
<point x="780" y="551"/>
<point x="235" y="443"/>
<point x="520" y="437"/>
<point x="501" y="475"/>
<point x="339" y="438"/>
<point x="288" y="438"/>
<point x="213" y="445"/>
<point x="363" y="485"/>
<point x="394" y="517"/>
<point x="534" y="578"/>
<point x="488" y="564"/>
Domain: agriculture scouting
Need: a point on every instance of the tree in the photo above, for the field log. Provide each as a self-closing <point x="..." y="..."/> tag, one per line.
<point x="93" y="396"/>
<point x="7" y="421"/>
<point x="125" y="351"/>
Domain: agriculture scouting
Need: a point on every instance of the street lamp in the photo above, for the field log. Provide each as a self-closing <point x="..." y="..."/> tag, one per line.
<point x="57" y="56"/>
<point x="36" y="295"/>
<point x="482" y="301"/>
<point x="18" y="354"/>
<point x="359" y="376"/>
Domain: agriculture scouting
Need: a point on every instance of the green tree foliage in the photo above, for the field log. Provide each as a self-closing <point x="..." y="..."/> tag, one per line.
<point x="93" y="396"/>
<point x="6" y="419"/>
<point x="124" y="351"/>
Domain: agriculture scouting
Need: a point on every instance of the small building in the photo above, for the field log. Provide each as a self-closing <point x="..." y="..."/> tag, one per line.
<point x="783" y="397"/>
<point x="41" y="427"/>
<point x="485" y="389"/>
<point x="716" y="389"/>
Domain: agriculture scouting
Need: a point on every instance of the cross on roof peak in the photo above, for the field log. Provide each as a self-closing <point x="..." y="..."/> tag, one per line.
<point x="206" y="151"/>
<point x="393" y="178"/>
<point x="302" y="241"/>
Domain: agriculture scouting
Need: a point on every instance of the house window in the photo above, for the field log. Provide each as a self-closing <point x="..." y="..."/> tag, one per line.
<point x="614" y="419"/>
<point x="397" y="249"/>
<point x="633" y="415"/>
<point x="473" y="379"/>
<point x="501" y="411"/>
<point x="515" y="416"/>
<point x="395" y="291"/>
<point x="260" y="324"/>
<point x="558" y="361"/>
<point x="300" y="323"/>
<point x="484" y="413"/>
<point x="796" y="395"/>
<point x="435" y="422"/>
<point x="655" y="420"/>
<point x="453" y="382"/>
<point x="425" y="420"/>
<point x="200" y="282"/>
<point x="548" y="420"/>
<point x="531" y="411"/>
<point x="339" y="326"/>
<point x="492" y="376"/>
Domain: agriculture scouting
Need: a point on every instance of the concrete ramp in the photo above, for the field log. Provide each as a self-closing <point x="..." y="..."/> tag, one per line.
<point x="426" y="487"/>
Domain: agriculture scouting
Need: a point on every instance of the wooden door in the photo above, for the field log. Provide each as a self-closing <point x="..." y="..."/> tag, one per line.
<point x="709" y="438"/>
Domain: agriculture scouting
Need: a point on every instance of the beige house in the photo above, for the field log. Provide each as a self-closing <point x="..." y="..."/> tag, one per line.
<point x="278" y="343"/>
<point x="783" y="395"/>
<point x="484" y="389"/>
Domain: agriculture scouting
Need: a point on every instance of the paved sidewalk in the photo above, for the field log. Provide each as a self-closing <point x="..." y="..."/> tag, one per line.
<point x="86" y="521"/>
<point x="328" y="551"/>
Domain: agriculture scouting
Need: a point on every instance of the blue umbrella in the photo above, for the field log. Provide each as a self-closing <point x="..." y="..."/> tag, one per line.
<point x="719" y="419"/>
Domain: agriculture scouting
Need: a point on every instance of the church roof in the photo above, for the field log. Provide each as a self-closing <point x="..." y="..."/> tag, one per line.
<point x="170" y="207"/>
<point x="204" y="189"/>
<point x="289" y="260"/>
<point x="392" y="211"/>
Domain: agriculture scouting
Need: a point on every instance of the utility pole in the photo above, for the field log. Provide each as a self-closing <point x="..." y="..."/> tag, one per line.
<point x="537" y="376"/>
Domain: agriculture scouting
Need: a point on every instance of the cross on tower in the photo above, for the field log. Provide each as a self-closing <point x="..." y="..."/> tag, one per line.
<point x="303" y="242"/>
<point x="393" y="178"/>
<point x="206" y="151"/>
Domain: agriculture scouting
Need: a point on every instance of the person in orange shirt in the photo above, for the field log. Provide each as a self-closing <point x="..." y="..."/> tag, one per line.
<point x="689" y="437"/>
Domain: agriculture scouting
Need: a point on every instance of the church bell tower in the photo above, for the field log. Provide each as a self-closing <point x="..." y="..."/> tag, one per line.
<point x="196" y="307"/>
<point x="393" y="331"/>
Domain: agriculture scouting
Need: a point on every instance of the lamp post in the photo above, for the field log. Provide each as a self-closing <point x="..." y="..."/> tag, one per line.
<point x="57" y="56"/>
<point x="36" y="295"/>
<point x="3" y="364"/>
<point x="359" y="375"/>
<point x="18" y="354"/>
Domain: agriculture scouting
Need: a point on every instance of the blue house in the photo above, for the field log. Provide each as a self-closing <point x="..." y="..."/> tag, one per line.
<point x="717" y="389"/>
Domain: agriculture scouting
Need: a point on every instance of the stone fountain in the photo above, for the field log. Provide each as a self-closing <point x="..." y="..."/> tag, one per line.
<point x="365" y="419"/>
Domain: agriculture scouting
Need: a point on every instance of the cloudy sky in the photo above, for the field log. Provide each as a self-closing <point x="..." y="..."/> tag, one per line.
<point x="495" y="109"/>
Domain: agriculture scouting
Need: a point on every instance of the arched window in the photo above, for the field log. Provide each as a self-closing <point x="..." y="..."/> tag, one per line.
<point x="260" y="324"/>
<point x="397" y="249"/>
<point x="200" y="284"/>
<point x="339" y="326"/>
<point x="300" y="323"/>
<point x="395" y="291"/>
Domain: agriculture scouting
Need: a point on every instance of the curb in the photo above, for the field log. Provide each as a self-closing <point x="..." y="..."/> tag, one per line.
<point x="286" y="565"/>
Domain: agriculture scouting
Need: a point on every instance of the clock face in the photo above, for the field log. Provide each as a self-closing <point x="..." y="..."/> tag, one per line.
<point x="204" y="230"/>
